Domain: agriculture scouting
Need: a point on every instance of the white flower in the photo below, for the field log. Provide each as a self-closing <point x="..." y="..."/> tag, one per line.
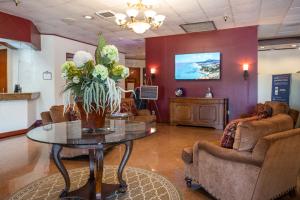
<point x="111" y="52"/>
<point x="125" y="73"/>
<point x="82" y="57"/>
<point x="64" y="75"/>
<point x="100" y="70"/>
<point x="76" y="79"/>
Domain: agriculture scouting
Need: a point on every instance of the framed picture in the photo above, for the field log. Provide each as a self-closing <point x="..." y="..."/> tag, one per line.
<point x="47" y="75"/>
<point x="69" y="56"/>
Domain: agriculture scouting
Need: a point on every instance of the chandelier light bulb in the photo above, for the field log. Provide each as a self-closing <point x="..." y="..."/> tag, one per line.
<point x="149" y="14"/>
<point x="140" y="27"/>
<point x="159" y="18"/>
<point x="138" y="24"/>
<point x="132" y="12"/>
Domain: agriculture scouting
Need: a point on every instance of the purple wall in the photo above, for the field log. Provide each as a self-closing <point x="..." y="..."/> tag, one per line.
<point x="237" y="46"/>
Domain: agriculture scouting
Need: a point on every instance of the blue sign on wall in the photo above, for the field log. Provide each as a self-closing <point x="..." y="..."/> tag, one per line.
<point x="281" y="87"/>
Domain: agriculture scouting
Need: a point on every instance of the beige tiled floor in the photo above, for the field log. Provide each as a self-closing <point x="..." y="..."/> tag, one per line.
<point x="23" y="161"/>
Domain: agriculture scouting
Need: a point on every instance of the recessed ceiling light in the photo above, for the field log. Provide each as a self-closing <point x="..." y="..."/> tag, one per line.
<point x="88" y="17"/>
<point x="69" y="20"/>
<point x="262" y="47"/>
<point x="293" y="45"/>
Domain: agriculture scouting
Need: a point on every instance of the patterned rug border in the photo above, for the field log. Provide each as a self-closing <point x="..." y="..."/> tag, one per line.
<point x="164" y="180"/>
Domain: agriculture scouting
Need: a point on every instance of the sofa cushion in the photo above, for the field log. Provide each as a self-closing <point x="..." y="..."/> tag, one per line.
<point x="187" y="155"/>
<point x="249" y="132"/>
<point x="278" y="107"/>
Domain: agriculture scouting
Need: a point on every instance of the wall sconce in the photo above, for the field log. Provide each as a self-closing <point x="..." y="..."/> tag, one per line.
<point x="152" y="72"/>
<point x="246" y="69"/>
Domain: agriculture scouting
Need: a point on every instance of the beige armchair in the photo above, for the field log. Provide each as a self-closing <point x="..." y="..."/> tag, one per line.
<point x="263" y="164"/>
<point x="56" y="114"/>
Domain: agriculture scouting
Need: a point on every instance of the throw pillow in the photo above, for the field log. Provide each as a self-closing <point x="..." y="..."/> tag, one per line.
<point x="227" y="139"/>
<point x="262" y="111"/>
<point x="228" y="136"/>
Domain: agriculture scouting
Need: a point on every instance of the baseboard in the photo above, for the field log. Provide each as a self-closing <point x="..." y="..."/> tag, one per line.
<point x="20" y="132"/>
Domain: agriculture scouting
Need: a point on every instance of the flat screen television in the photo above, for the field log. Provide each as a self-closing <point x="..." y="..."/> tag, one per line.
<point x="198" y="66"/>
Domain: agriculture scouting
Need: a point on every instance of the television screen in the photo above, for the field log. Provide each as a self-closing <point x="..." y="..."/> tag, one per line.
<point x="198" y="66"/>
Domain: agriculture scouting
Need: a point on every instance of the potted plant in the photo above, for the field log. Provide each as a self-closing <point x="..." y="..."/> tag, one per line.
<point x="92" y="83"/>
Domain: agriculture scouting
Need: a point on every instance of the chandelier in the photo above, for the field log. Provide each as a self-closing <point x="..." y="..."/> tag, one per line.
<point x="139" y="25"/>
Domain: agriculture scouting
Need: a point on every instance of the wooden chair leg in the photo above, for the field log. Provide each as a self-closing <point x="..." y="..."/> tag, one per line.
<point x="188" y="182"/>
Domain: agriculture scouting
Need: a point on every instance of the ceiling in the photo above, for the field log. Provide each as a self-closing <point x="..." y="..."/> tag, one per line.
<point x="276" y="18"/>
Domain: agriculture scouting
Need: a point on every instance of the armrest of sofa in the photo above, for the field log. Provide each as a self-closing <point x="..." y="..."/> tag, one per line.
<point x="228" y="154"/>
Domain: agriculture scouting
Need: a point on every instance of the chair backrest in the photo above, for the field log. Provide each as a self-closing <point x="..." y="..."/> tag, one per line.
<point x="249" y="132"/>
<point x="57" y="115"/>
<point x="46" y="118"/>
<point x="281" y="107"/>
<point x="281" y="164"/>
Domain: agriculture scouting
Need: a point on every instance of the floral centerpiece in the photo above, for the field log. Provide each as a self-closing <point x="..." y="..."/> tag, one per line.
<point x="92" y="83"/>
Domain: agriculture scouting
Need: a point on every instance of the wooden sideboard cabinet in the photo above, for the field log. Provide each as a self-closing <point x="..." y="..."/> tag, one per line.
<point x="199" y="112"/>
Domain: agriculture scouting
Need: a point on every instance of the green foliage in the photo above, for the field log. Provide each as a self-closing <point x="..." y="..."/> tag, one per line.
<point x="95" y="86"/>
<point x="101" y="44"/>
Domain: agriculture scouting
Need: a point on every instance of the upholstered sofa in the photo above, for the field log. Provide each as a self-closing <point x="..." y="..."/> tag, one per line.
<point x="277" y="108"/>
<point x="143" y="115"/>
<point x="263" y="164"/>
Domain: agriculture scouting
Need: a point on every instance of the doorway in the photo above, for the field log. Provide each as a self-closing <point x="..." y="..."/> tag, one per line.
<point x="133" y="80"/>
<point x="3" y="70"/>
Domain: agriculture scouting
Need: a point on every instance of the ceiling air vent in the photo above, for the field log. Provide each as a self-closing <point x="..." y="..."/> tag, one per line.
<point x="105" y="13"/>
<point x="199" y="27"/>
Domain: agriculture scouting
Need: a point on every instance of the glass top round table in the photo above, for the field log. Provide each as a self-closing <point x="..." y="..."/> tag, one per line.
<point x="71" y="135"/>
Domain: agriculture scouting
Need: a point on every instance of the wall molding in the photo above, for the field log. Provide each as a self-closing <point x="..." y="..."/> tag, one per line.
<point x="20" y="132"/>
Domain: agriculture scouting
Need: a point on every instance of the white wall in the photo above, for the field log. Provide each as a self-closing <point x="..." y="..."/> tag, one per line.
<point x="279" y="62"/>
<point x="26" y="66"/>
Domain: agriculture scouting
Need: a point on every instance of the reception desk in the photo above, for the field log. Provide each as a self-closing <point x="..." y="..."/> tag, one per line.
<point x="17" y="112"/>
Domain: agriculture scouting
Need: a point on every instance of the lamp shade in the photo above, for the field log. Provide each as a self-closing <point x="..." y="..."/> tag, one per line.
<point x="149" y="13"/>
<point x="245" y="67"/>
<point x="132" y="12"/>
<point x="159" y="18"/>
<point x="140" y="27"/>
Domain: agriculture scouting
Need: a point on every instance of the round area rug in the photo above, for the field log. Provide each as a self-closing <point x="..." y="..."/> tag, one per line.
<point x="142" y="185"/>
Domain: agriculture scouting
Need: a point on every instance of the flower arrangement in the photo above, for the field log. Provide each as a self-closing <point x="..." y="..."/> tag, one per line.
<point x="94" y="82"/>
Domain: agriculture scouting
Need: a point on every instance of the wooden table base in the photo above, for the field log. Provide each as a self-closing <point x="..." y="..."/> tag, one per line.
<point x="94" y="189"/>
<point x="88" y="191"/>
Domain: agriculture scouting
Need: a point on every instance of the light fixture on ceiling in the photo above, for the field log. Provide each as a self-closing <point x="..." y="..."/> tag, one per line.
<point x="151" y="19"/>
<point x="294" y="45"/>
<point x="17" y="2"/>
<point x="262" y="47"/>
<point x="88" y="17"/>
